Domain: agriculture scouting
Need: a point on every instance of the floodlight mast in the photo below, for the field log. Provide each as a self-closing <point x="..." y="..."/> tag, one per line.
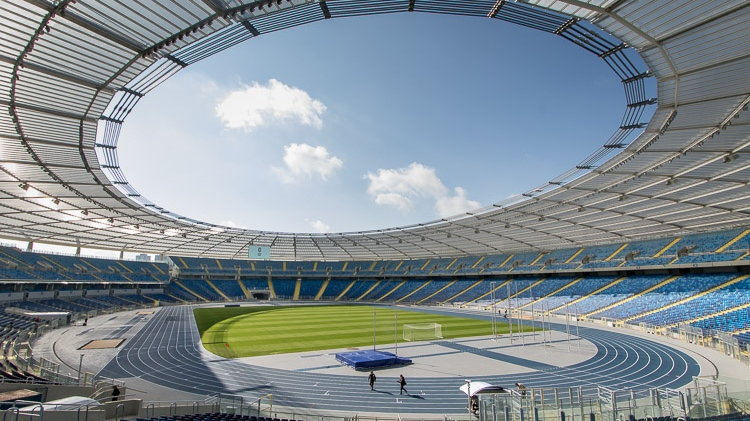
<point x="395" y="331"/>
<point x="374" y="327"/>
<point x="494" y="311"/>
<point x="510" y="314"/>
<point x="468" y="394"/>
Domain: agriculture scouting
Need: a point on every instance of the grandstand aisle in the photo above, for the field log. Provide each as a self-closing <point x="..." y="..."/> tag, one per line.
<point x="167" y="352"/>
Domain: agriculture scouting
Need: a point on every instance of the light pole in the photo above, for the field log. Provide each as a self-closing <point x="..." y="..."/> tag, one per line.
<point x="509" y="311"/>
<point x="468" y="394"/>
<point x="374" y="328"/>
<point x="395" y="331"/>
<point x="494" y="311"/>
<point x="80" y="366"/>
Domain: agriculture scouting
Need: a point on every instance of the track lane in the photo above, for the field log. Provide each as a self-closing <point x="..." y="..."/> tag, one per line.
<point x="167" y="352"/>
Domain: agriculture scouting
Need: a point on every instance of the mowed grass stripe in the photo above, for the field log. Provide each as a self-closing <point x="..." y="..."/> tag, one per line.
<point x="237" y="333"/>
<point x="315" y="326"/>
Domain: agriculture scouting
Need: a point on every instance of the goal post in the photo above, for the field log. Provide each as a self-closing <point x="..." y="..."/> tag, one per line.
<point x="422" y="331"/>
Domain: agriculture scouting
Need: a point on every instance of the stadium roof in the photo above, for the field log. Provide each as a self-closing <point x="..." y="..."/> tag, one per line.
<point x="71" y="71"/>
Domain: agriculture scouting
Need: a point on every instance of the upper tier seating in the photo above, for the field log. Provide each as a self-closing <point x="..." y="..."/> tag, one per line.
<point x="16" y="264"/>
<point x="696" y="248"/>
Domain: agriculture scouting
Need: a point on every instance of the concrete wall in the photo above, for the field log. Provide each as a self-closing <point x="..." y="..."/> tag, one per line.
<point x="11" y="296"/>
<point x="125" y="291"/>
<point x="41" y="294"/>
<point x="66" y="294"/>
<point x="96" y="292"/>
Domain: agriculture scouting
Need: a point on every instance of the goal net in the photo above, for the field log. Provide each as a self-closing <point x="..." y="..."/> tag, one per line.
<point x="423" y="331"/>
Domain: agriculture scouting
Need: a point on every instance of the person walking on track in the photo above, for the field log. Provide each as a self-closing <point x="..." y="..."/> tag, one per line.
<point x="402" y="383"/>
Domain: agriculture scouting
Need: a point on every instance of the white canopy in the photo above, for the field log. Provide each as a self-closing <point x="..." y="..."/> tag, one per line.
<point x="481" y="387"/>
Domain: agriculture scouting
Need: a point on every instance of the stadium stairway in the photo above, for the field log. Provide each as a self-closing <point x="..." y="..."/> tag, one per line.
<point x="218" y="291"/>
<point x="323" y="287"/>
<point x="616" y="252"/>
<point x="374" y="285"/>
<point x="297" y="287"/>
<point x="731" y="242"/>
<point x="176" y="298"/>
<point x="712" y="315"/>
<point x="182" y="261"/>
<point x="488" y="292"/>
<point x="579" y="299"/>
<point x="125" y="275"/>
<point x="158" y="269"/>
<point x="127" y="269"/>
<point x="537" y="259"/>
<point x="515" y="294"/>
<point x="562" y="288"/>
<point x="576" y="254"/>
<point x="464" y="291"/>
<point x="424" y="284"/>
<point x="271" y="289"/>
<point x="394" y="289"/>
<point x="188" y="290"/>
<point x="53" y="263"/>
<point x="634" y="296"/>
<point x="343" y="293"/>
<point x="244" y="289"/>
<point x="667" y="247"/>
<point x="690" y="298"/>
<point x="505" y="262"/>
<point x="436" y="292"/>
<point x="474" y="266"/>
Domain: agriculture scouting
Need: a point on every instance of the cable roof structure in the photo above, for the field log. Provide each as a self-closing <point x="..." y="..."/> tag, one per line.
<point x="72" y="70"/>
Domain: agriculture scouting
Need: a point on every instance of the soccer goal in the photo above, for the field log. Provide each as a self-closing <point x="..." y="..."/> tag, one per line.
<point x="423" y="331"/>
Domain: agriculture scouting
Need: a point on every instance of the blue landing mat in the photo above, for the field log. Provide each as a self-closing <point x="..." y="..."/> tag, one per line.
<point x="370" y="359"/>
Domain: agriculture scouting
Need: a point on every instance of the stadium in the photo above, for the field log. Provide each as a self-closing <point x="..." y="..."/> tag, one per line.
<point x="620" y="289"/>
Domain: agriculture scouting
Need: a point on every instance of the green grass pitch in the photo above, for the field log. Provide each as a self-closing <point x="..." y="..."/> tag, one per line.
<point x="250" y="331"/>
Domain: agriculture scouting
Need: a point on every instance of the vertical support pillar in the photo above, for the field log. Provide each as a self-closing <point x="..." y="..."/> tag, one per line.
<point x="614" y="405"/>
<point x="510" y="311"/>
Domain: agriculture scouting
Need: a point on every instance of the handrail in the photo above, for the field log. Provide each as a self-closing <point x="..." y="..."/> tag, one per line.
<point x="117" y="408"/>
<point x="10" y="410"/>
<point x="153" y="410"/>
<point x="78" y="414"/>
<point x="33" y="404"/>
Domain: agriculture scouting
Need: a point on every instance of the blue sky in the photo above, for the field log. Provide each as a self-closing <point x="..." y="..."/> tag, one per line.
<point x="368" y="122"/>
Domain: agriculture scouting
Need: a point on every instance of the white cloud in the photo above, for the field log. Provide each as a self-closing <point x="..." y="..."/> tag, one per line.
<point x="456" y="204"/>
<point x="319" y="226"/>
<point x="394" y="199"/>
<point x="301" y="159"/>
<point x="400" y="187"/>
<point x="257" y="105"/>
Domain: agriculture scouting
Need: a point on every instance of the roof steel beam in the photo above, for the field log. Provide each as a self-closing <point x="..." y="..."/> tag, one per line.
<point x="91" y="26"/>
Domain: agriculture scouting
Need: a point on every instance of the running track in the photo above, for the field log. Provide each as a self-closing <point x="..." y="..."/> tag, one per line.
<point x="167" y="352"/>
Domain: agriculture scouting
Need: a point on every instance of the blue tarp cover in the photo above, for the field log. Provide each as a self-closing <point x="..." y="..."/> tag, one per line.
<point x="370" y="359"/>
